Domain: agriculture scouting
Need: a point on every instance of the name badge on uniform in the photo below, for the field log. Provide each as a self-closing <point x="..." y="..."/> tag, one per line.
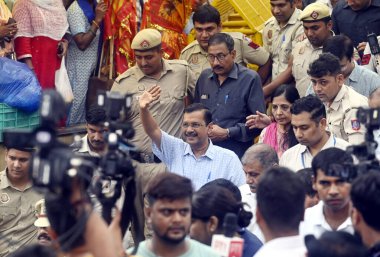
<point x="355" y="124"/>
<point x="204" y="97"/>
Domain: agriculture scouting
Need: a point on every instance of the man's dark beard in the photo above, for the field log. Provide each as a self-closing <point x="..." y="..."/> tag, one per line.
<point x="168" y="240"/>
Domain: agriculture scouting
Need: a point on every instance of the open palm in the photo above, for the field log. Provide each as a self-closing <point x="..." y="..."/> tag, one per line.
<point x="149" y="96"/>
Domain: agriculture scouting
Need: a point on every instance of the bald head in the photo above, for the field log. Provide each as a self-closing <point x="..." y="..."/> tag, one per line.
<point x="256" y="160"/>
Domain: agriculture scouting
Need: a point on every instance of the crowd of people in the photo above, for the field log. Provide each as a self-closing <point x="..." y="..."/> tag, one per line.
<point x="214" y="137"/>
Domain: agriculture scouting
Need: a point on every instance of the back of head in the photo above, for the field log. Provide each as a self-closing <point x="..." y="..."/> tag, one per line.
<point x="263" y="153"/>
<point x="310" y="104"/>
<point x="200" y="107"/>
<point x="215" y="200"/>
<point x="340" y="46"/>
<point x="96" y="115"/>
<point x="169" y="186"/>
<point x="334" y="244"/>
<point x="280" y="200"/>
<point x="365" y="192"/>
<point x="228" y="185"/>
<point x="222" y="38"/>
<point x="290" y="93"/>
<point x="205" y="14"/>
<point x="327" y="64"/>
<point x="330" y="161"/>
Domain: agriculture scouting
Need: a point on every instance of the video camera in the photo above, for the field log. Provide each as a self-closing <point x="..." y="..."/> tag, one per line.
<point x="54" y="165"/>
<point x="365" y="152"/>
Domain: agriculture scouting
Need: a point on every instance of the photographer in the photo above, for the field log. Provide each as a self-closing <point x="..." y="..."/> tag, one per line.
<point x="17" y="199"/>
<point x="78" y="229"/>
<point x="93" y="143"/>
<point x="365" y="215"/>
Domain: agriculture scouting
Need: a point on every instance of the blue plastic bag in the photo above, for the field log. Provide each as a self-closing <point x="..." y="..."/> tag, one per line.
<point x="19" y="87"/>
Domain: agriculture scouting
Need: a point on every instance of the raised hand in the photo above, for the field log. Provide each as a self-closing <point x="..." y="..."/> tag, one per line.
<point x="258" y="120"/>
<point x="149" y="96"/>
<point x="100" y="12"/>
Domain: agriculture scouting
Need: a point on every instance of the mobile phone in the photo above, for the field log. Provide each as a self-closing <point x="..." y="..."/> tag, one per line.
<point x="373" y="44"/>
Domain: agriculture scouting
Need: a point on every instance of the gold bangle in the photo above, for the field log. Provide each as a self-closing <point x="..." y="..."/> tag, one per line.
<point x="96" y="24"/>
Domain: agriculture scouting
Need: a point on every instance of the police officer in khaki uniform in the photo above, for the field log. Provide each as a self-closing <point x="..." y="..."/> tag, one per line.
<point x="17" y="199"/>
<point x="341" y="101"/>
<point x="317" y="26"/>
<point x="305" y="52"/>
<point x="281" y="33"/>
<point x="177" y="82"/>
<point x="207" y="23"/>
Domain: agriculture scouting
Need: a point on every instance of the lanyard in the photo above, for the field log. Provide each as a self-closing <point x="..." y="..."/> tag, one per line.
<point x="303" y="154"/>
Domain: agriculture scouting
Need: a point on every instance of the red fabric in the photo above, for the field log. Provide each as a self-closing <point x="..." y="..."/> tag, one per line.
<point x="43" y="51"/>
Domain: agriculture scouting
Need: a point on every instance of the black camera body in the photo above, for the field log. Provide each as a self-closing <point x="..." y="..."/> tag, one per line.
<point x="365" y="153"/>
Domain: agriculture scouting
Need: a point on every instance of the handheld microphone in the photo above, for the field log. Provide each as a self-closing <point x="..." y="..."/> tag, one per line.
<point x="227" y="245"/>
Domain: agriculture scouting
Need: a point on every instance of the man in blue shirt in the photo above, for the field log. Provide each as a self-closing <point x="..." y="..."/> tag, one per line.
<point x="231" y="92"/>
<point x="196" y="158"/>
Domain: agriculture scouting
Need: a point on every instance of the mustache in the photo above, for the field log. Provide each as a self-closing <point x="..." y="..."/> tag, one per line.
<point x="191" y="134"/>
<point x="44" y="236"/>
<point x="217" y="67"/>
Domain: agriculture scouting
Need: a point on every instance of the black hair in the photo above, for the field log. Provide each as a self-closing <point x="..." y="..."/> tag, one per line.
<point x="365" y="192"/>
<point x="168" y="186"/>
<point x="330" y="158"/>
<point x="340" y="46"/>
<point x="306" y="176"/>
<point x="96" y="115"/>
<point x="200" y="107"/>
<point x="206" y="13"/>
<point x="327" y="64"/>
<point x="310" y="104"/>
<point x="34" y="250"/>
<point x="229" y="185"/>
<point x="222" y="38"/>
<point x="291" y="94"/>
<point x="280" y="199"/>
<point x="334" y="244"/>
<point x="215" y="200"/>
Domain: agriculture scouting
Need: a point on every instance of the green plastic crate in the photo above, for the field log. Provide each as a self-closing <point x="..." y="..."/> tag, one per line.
<point x="14" y="118"/>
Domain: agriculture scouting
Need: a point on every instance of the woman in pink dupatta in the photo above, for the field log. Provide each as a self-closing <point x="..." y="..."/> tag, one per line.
<point x="41" y="27"/>
<point x="279" y="133"/>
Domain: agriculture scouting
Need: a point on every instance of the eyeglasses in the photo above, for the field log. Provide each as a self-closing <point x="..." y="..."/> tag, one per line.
<point x="221" y="57"/>
<point x="193" y="125"/>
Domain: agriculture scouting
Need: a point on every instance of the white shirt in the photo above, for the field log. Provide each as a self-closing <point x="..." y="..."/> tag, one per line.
<point x="250" y="198"/>
<point x="376" y="136"/>
<point x="315" y="223"/>
<point x="292" y="246"/>
<point x="299" y="157"/>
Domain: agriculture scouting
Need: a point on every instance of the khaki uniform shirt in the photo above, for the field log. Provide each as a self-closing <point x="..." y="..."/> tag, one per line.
<point x="279" y="42"/>
<point x="17" y="216"/>
<point x="246" y="52"/>
<point x="176" y="82"/>
<point x="303" y="54"/>
<point x="341" y="115"/>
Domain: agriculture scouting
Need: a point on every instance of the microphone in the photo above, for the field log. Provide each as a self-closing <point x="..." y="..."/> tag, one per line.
<point x="228" y="245"/>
